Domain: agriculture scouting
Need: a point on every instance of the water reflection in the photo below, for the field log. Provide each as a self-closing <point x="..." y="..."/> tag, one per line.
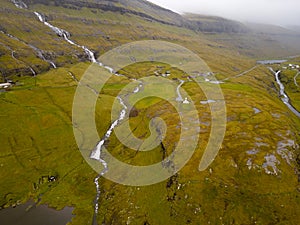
<point x="29" y="214"/>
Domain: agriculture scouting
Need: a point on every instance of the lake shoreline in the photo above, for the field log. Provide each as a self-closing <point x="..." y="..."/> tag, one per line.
<point x="33" y="213"/>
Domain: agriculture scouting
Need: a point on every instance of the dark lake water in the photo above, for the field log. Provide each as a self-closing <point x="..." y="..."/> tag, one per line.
<point x="28" y="214"/>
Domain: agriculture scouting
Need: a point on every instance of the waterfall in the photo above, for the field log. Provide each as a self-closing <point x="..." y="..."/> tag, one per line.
<point x="66" y="35"/>
<point x="284" y="97"/>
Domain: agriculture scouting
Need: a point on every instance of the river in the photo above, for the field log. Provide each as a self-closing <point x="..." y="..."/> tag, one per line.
<point x="284" y="97"/>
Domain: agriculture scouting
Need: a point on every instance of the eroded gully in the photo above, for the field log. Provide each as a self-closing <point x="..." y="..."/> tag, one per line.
<point x="96" y="153"/>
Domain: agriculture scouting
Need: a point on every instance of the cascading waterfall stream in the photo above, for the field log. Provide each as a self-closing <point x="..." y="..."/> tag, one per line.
<point x="38" y="51"/>
<point x="284" y="97"/>
<point x="96" y="153"/>
<point x="19" y="4"/>
<point x="66" y="35"/>
<point x="32" y="71"/>
<point x="18" y="60"/>
<point x="41" y="55"/>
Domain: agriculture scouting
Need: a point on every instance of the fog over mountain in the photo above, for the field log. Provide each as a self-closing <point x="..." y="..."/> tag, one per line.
<point x="279" y="12"/>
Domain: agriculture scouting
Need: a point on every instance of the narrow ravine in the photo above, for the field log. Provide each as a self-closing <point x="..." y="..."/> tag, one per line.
<point x="19" y="4"/>
<point x="39" y="52"/>
<point x="73" y="77"/>
<point x="66" y="35"/>
<point x="18" y="60"/>
<point x="284" y="97"/>
<point x="61" y="33"/>
<point x="96" y="153"/>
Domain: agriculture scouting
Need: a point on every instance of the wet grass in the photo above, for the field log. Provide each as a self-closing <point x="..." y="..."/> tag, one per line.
<point x="37" y="139"/>
<point x="293" y="91"/>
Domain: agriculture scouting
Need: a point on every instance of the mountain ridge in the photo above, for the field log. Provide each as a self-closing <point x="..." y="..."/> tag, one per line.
<point x="138" y="19"/>
<point x="149" y="11"/>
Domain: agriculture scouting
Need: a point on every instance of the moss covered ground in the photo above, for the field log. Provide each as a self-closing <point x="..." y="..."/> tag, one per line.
<point x="244" y="185"/>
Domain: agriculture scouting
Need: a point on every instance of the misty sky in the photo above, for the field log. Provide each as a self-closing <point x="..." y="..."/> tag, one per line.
<point x="280" y="12"/>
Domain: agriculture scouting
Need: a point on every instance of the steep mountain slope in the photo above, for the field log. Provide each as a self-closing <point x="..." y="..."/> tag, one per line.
<point x="253" y="40"/>
<point x="141" y="8"/>
<point x="111" y="23"/>
<point x="103" y="30"/>
<point x="213" y="24"/>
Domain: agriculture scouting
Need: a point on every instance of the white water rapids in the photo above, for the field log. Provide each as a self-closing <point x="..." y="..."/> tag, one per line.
<point x="66" y="35"/>
<point x="96" y="154"/>
<point x="284" y="97"/>
<point x="295" y="79"/>
<point x="19" y="4"/>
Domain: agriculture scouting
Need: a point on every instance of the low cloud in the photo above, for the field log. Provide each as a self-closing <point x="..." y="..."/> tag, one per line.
<point x="279" y="12"/>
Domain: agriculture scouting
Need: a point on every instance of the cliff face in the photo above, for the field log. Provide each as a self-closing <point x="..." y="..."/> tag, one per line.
<point x="140" y="8"/>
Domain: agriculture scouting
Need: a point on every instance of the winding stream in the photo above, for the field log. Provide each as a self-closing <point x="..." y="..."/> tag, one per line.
<point x="96" y="153"/>
<point x="179" y="98"/>
<point x="295" y="79"/>
<point x="66" y="35"/>
<point x="284" y="97"/>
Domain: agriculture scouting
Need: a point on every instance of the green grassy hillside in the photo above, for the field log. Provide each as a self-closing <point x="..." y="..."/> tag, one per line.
<point x="253" y="180"/>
